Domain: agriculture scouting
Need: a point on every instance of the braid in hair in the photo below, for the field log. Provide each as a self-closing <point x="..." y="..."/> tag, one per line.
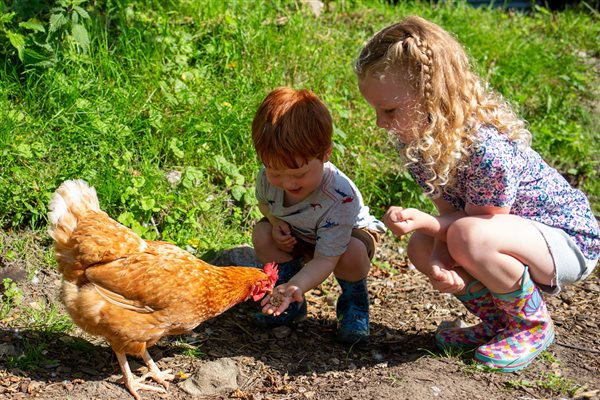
<point x="458" y="104"/>
<point x="420" y="51"/>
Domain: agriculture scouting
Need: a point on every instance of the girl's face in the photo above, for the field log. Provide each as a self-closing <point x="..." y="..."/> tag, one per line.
<point x="396" y="105"/>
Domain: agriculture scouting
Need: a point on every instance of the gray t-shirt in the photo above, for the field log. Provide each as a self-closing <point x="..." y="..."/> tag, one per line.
<point x="327" y="216"/>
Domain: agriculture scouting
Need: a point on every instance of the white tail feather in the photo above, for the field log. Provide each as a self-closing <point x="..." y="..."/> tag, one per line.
<point x="71" y="200"/>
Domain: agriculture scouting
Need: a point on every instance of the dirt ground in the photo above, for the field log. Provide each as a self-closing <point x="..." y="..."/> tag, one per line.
<point x="401" y="361"/>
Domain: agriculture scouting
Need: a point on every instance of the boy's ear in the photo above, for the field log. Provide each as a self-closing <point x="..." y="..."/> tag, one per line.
<point x="327" y="155"/>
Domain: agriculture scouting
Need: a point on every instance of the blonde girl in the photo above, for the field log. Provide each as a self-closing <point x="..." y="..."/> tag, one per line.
<point x="508" y="224"/>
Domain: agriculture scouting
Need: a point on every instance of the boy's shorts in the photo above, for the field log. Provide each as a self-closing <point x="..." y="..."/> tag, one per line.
<point x="569" y="263"/>
<point x="369" y="237"/>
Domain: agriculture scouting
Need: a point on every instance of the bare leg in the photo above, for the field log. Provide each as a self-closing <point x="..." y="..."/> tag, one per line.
<point x="354" y="264"/>
<point x="494" y="249"/>
<point x="130" y="382"/>
<point x="264" y="245"/>
<point x="419" y="250"/>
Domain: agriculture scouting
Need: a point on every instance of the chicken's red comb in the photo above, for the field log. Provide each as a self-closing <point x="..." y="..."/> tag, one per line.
<point x="272" y="271"/>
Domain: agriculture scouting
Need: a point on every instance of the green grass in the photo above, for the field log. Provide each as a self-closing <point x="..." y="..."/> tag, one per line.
<point x="548" y="382"/>
<point x="173" y="86"/>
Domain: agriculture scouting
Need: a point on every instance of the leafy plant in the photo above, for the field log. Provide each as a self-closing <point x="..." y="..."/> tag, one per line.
<point x="33" y="356"/>
<point x="552" y="382"/>
<point x="36" y="34"/>
<point x="66" y="20"/>
<point x="10" y="297"/>
<point x="169" y="89"/>
<point x="47" y="319"/>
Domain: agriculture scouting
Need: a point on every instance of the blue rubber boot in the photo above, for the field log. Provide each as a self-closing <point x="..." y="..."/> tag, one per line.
<point x="352" y="311"/>
<point x="296" y="312"/>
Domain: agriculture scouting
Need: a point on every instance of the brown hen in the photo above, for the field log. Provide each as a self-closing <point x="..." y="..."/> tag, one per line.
<point x="131" y="291"/>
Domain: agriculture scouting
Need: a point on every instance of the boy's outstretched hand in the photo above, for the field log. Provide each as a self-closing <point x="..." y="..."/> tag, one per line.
<point x="281" y="298"/>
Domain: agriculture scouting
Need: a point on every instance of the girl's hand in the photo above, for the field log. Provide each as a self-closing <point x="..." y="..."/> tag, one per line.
<point x="446" y="280"/>
<point x="442" y="275"/>
<point x="404" y="220"/>
<point x="282" y="296"/>
<point x="282" y="235"/>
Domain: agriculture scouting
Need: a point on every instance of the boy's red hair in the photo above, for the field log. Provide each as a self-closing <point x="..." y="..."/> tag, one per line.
<point x="290" y="128"/>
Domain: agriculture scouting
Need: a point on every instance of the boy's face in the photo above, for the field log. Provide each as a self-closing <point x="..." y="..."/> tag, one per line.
<point x="298" y="183"/>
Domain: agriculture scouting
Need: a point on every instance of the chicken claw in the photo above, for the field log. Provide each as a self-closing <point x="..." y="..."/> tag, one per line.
<point x="155" y="373"/>
<point x="134" y="384"/>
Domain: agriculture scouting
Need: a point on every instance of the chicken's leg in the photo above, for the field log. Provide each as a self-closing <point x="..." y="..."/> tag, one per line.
<point x="130" y="382"/>
<point x="155" y="373"/>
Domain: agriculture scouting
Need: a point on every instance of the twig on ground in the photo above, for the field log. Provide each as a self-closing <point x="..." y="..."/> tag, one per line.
<point x="571" y="346"/>
<point x="242" y="328"/>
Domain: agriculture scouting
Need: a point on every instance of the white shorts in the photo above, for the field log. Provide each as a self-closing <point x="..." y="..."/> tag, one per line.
<point x="569" y="263"/>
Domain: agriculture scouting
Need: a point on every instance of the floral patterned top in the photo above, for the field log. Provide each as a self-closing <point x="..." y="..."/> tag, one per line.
<point x="499" y="174"/>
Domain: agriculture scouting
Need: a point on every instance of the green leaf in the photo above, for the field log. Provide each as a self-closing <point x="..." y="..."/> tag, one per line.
<point x="192" y="177"/>
<point x="6" y="18"/>
<point x="33" y="25"/>
<point x="238" y="192"/>
<point x="147" y="203"/>
<point x="18" y="42"/>
<point x="81" y="36"/>
<point x="138" y="181"/>
<point x="126" y="218"/>
<point x="226" y="167"/>
<point x="337" y="131"/>
<point x="57" y="21"/>
<point x="175" y="149"/>
<point x="84" y="14"/>
<point x="24" y="150"/>
<point x="32" y="57"/>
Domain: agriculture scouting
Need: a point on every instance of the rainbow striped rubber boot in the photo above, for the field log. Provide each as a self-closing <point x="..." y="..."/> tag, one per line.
<point x="493" y="321"/>
<point x="529" y="332"/>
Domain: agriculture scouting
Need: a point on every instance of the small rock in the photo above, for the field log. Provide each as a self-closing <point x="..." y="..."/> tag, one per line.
<point x="213" y="378"/>
<point x="566" y="297"/>
<point x="243" y="255"/>
<point x="8" y="350"/>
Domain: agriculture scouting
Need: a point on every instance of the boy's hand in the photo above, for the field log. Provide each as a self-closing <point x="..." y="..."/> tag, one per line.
<point x="282" y="296"/>
<point x="282" y="235"/>
<point x="404" y="220"/>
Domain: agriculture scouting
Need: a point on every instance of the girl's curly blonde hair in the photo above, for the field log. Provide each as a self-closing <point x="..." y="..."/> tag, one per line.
<point x="456" y="100"/>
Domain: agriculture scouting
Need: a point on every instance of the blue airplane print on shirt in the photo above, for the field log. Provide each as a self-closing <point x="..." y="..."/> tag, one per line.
<point x="329" y="224"/>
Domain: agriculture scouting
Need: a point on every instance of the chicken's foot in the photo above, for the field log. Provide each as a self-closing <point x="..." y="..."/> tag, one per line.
<point x="132" y="383"/>
<point x="155" y="373"/>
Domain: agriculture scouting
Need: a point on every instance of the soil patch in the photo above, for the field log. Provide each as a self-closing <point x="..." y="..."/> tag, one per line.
<point x="401" y="361"/>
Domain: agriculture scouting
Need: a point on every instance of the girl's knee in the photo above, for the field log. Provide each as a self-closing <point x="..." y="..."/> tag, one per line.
<point x="468" y="238"/>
